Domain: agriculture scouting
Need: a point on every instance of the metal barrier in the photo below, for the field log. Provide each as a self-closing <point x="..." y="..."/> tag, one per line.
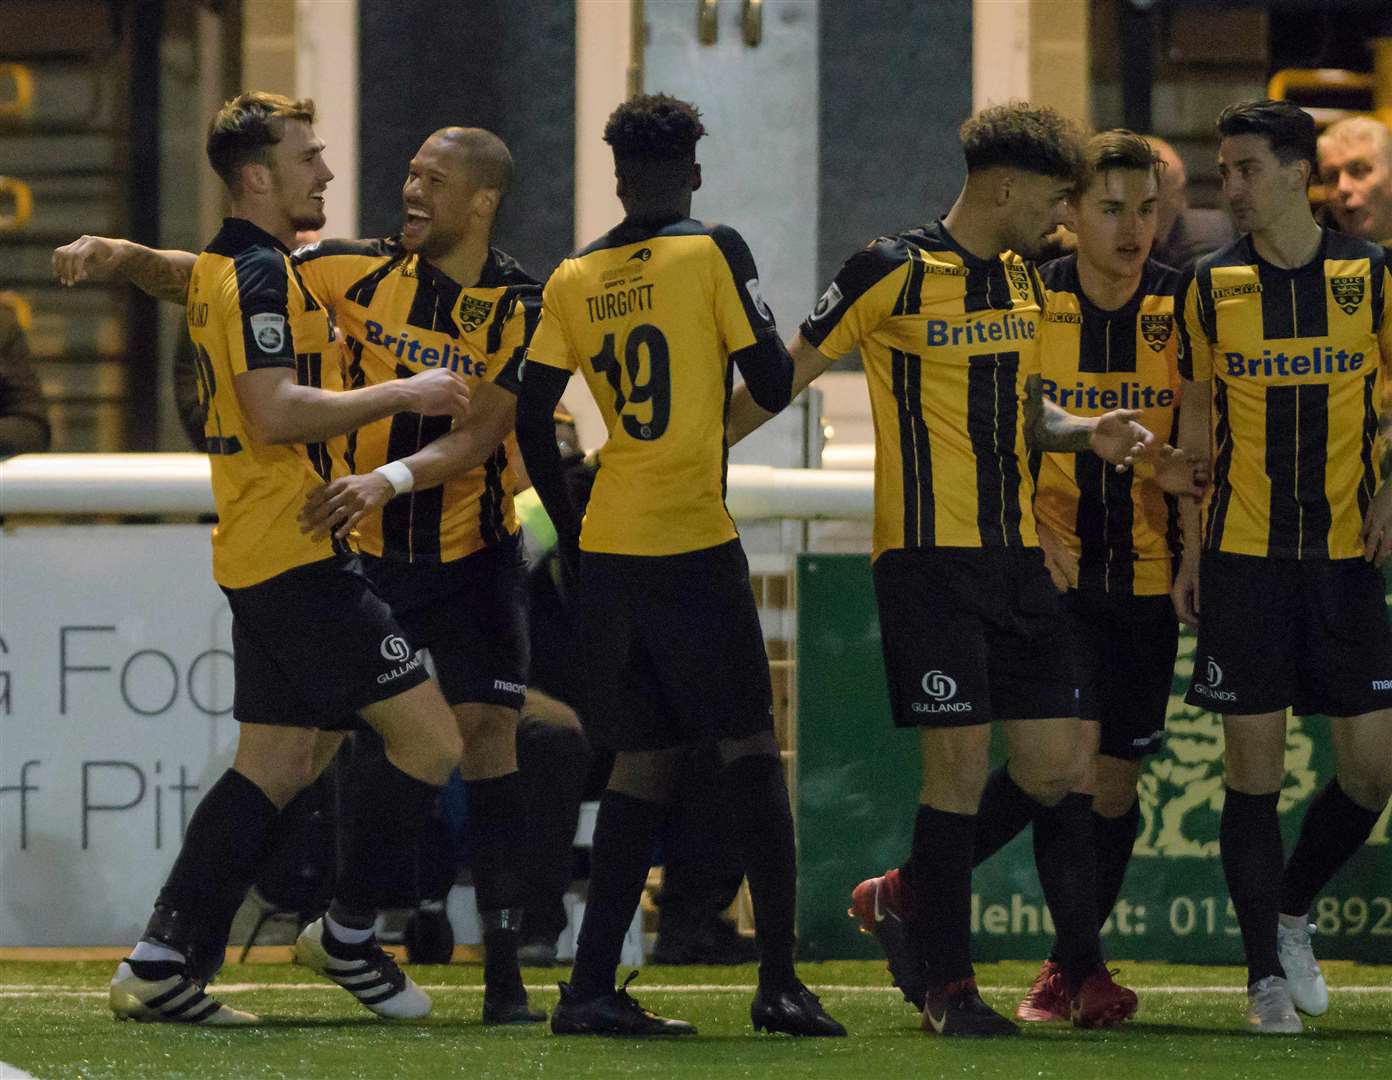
<point x="178" y="484"/>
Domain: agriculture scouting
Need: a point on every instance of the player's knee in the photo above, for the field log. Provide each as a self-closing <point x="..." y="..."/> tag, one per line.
<point x="488" y="730"/>
<point x="1368" y="782"/>
<point x="433" y="752"/>
<point x="1050" y="775"/>
<point x="281" y="781"/>
<point x="1113" y="802"/>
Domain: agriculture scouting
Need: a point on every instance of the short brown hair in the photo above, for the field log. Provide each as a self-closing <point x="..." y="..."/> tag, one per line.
<point x="1121" y="149"/>
<point x="1018" y="135"/>
<point x="1287" y="128"/>
<point x="246" y="127"/>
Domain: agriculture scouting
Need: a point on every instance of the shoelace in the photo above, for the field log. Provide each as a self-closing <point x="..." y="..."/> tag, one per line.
<point x="386" y="965"/>
<point x="627" y="1000"/>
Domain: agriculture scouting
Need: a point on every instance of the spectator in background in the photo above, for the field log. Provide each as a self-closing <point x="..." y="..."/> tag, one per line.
<point x="1184" y="233"/>
<point x="24" y="426"/>
<point x="1355" y="165"/>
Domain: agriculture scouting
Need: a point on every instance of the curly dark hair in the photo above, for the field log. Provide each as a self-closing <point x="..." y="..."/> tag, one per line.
<point x="245" y="129"/>
<point x="654" y="127"/>
<point x="1287" y="127"/>
<point x="1018" y="135"/>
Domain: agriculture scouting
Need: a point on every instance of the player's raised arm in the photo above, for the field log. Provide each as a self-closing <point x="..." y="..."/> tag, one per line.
<point x="162" y="274"/>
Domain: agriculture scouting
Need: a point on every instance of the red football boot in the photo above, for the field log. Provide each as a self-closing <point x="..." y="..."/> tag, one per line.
<point x="880" y="904"/>
<point x="1047" y="998"/>
<point x="1100" y="1002"/>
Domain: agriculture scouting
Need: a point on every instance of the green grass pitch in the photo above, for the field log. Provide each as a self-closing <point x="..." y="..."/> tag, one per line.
<point x="54" y="1023"/>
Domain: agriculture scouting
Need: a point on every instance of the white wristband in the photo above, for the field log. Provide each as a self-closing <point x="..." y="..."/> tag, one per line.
<point x="398" y="475"/>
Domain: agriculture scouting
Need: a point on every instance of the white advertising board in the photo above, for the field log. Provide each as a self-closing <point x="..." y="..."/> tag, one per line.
<point x="115" y="716"/>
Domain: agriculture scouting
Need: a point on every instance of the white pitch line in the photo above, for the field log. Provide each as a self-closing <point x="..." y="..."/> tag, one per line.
<point x="28" y="990"/>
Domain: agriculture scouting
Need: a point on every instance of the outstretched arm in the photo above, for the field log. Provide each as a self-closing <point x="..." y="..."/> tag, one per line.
<point x="282" y="412"/>
<point x="747" y="415"/>
<point x="162" y="274"/>
<point x="1114" y="436"/>
<point x="341" y="504"/>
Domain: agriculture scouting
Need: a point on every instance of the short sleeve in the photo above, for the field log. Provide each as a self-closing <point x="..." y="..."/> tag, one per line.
<point x="524" y="312"/>
<point x="550" y="346"/>
<point x="740" y="311"/>
<point x="255" y="305"/>
<point x="859" y="298"/>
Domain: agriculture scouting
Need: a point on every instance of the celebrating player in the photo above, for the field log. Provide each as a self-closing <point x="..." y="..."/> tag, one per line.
<point x="263" y="340"/>
<point x="1108" y="338"/>
<point x="946" y="317"/>
<point x="1283" y="341"/>
<point x="432" y="506"/>
<point x="653" y="313"/>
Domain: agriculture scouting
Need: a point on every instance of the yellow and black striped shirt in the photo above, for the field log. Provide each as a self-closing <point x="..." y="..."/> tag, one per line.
<point x="652" y="315"/>
<point x="1296" y="360"/>
<point x="1121" y="526"/>
<point x="248" y="309"/>
<point x="947" y="341"/>
<point x="399" y="315"/>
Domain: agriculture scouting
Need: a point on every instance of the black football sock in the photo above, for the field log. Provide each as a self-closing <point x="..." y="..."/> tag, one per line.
<point x="762" y="826"/>
<point x="938" y="874"/>
<point x="1113" y="840"/>
<point x="223" y="846"/>
<point x="1249" y="837"/>
<point x="1334" y="828"/>
<point x="498" y="823"/>
<point x="1064" y="857"/>
<point x="380" y="852"/>
<point x="1005" y="810"/>
<point x="625" y="831"/>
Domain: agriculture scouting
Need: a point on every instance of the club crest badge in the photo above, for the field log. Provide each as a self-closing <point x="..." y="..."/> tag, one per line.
<point x="473" y="313"/>
<point x="1156" y="330"/>
<point x="1348" y="293"/>
<point x="1019" y="280"/>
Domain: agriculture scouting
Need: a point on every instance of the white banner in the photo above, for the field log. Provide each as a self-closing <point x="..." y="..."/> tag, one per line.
<point x="115" y="716"/>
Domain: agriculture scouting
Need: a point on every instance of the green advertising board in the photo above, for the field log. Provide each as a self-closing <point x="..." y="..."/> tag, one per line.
<point x="858" y="779"/>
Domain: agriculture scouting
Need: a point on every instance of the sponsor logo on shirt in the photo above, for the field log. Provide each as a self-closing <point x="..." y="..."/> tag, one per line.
<point x="268" y="331"/>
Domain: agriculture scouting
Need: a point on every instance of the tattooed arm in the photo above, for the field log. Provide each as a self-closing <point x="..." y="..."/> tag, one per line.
<point x="162" y="274"/>
<point x="1114" y="436"/>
